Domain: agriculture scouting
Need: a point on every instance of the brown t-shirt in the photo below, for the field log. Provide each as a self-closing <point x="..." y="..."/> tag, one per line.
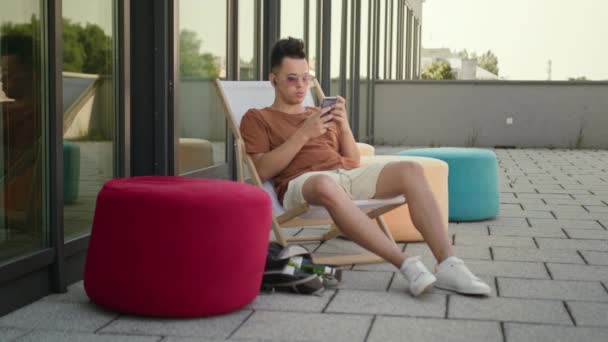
<point x="266" y="129"/>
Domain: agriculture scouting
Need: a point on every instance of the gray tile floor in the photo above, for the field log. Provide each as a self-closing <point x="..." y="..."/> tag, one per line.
<point x="545" y="256"/>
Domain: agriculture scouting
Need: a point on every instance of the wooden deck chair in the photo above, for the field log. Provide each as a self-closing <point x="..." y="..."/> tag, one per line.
<point x="240" y="96"/>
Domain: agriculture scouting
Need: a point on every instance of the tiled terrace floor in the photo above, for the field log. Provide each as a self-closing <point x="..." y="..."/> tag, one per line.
<point x="546" y="258"/>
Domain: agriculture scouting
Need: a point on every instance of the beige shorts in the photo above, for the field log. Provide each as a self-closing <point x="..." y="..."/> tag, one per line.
<point x="359" y="183"/>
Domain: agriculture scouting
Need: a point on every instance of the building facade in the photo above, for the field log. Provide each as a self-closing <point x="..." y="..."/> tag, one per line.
<point x="93" y="90"/>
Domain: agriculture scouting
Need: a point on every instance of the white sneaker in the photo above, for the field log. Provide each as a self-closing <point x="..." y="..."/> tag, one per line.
<point x="454" y="275"/>
<point x="418" y="275"/>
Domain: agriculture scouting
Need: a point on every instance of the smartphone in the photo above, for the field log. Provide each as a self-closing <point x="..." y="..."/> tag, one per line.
<point x="328" y="101"/>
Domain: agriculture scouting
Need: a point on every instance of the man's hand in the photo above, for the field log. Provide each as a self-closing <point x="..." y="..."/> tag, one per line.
<point x="316" y="124"/>
<point x="340" y="115"/>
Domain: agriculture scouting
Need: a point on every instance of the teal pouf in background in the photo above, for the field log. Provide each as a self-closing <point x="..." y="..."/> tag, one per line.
<point x="472" y="181"/>
<point x="71" y="171"/>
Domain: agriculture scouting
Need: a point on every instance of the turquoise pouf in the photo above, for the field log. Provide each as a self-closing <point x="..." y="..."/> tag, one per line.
<point x="71" y="171"/>
<point x="472" y="181"/>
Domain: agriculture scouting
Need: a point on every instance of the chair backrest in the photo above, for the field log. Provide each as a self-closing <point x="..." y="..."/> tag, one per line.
<point x="243" y="95"/>
<point x="239" y="97"/>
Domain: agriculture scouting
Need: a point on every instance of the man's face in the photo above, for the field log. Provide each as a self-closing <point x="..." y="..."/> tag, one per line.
<point x="16" y="81"/>
<point x="291" y="80"/>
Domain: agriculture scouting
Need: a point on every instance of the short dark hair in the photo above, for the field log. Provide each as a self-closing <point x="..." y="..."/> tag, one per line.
<point x="20" y="45"/>
<point x="287" y="47"/>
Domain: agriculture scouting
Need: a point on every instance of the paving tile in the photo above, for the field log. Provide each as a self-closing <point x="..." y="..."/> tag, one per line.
<point x="537" y="232"/>
<point x="387" y="329"/>
<point x="525" y="213"/>
<point x="508" y="206"/>
<point x="387" y="303"/>
<point x="543" y="196"/>
<point x="537" y="255"/>
<point x="589" y="314"/>
<point x="213" y="327"/>
<point x="552" y="289"/>
<point x="509" y="309"/>
<point x="596" y="258"/>
<point x="517" y="332"/>
<point x="594" y="234"/>
<point x="463" y="252"/>
<point x="501" y="221"/>
<point x="8" y="334"/>
<point x="561" y="208"/>
<point x="575" y="224"/>
<point x="597" y="208"/>
<point x="61" y="316"/>
<point x="291" y="326"/>
<point x="53" y="336"/>
<point x="489" y="241"/>
<point x="532" y="270"/>
<point x="191" y="339"/>
<point x="571" y="215"/>
<point x="576" y="244"/>
<point x="75" y="293"/>
<point x="365" y="280"/>
<point x="578" y="272"/>
<point x="400" y="284"/>
<point x="467" y="228"/>
<point x="523" y="201"/>
<point x="341" y="246"/>
<point x="381" y="267"/>
<point x="290" y="302"/>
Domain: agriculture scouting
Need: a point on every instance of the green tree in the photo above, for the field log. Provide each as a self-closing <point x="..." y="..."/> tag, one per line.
<point x="579" y="78"/>
<point x="489" y="61"/>
<point x="85" y="49"/>
<point x="97" y="49"/>
<point x="192" y="63"/>
<point x="438" y="70"/>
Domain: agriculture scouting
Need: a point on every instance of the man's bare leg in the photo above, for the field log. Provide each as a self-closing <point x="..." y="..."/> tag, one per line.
<point x="356" y="225"/>
<point x="407" y="178"/>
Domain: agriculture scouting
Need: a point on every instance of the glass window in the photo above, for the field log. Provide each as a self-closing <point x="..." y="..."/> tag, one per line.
<point x="248" y="34"/>
<point x="89" y="108"/>
<point x="412" y="51"/>
<point x="292" y="18"/>
<point x="336" y="44"/>
<point x="312" y="37"/>
<point x="364" y="53"/>
<point x="394" y="38"/>
<point x="382" y="39"/>
<point x="407" y="33"/>
<point x="202" y="59"/>
<point x="23" y="225"/>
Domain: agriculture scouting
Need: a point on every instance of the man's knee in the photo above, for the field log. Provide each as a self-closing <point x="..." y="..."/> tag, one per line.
<point x="410" y="169"/>
<point x="409" y="174"/>
<point x="322" y="188"/>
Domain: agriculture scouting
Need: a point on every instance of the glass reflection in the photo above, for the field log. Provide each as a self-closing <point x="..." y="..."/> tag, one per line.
<point x="23" y="226"/>
<point x="202" y="59"/>
<point x="89" y="108"/>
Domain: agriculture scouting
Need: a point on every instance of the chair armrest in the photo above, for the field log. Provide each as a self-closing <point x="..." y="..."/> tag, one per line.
<point x="366" y="150"/>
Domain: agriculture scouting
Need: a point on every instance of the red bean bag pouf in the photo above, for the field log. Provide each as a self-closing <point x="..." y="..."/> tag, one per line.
<point x="177" y="247"/>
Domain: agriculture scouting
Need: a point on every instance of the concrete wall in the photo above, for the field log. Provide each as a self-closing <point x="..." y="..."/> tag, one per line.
<point x="439" y="113"/>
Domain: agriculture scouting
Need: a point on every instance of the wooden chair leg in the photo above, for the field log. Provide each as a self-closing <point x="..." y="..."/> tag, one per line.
<point x="384" y="228"/>
<point x="333" y="232"/>
<point x="278" y="234"/>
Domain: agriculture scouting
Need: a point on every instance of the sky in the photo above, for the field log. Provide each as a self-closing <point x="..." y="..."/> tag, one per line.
<point x="524" y="34"/>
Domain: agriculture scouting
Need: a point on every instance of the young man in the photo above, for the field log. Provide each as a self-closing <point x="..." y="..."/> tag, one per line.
<point x="312" y="156"/>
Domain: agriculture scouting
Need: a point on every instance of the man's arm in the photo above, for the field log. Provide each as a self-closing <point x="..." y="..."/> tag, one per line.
<point x="348" y="144"/>
<point x="271" y="163"/>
